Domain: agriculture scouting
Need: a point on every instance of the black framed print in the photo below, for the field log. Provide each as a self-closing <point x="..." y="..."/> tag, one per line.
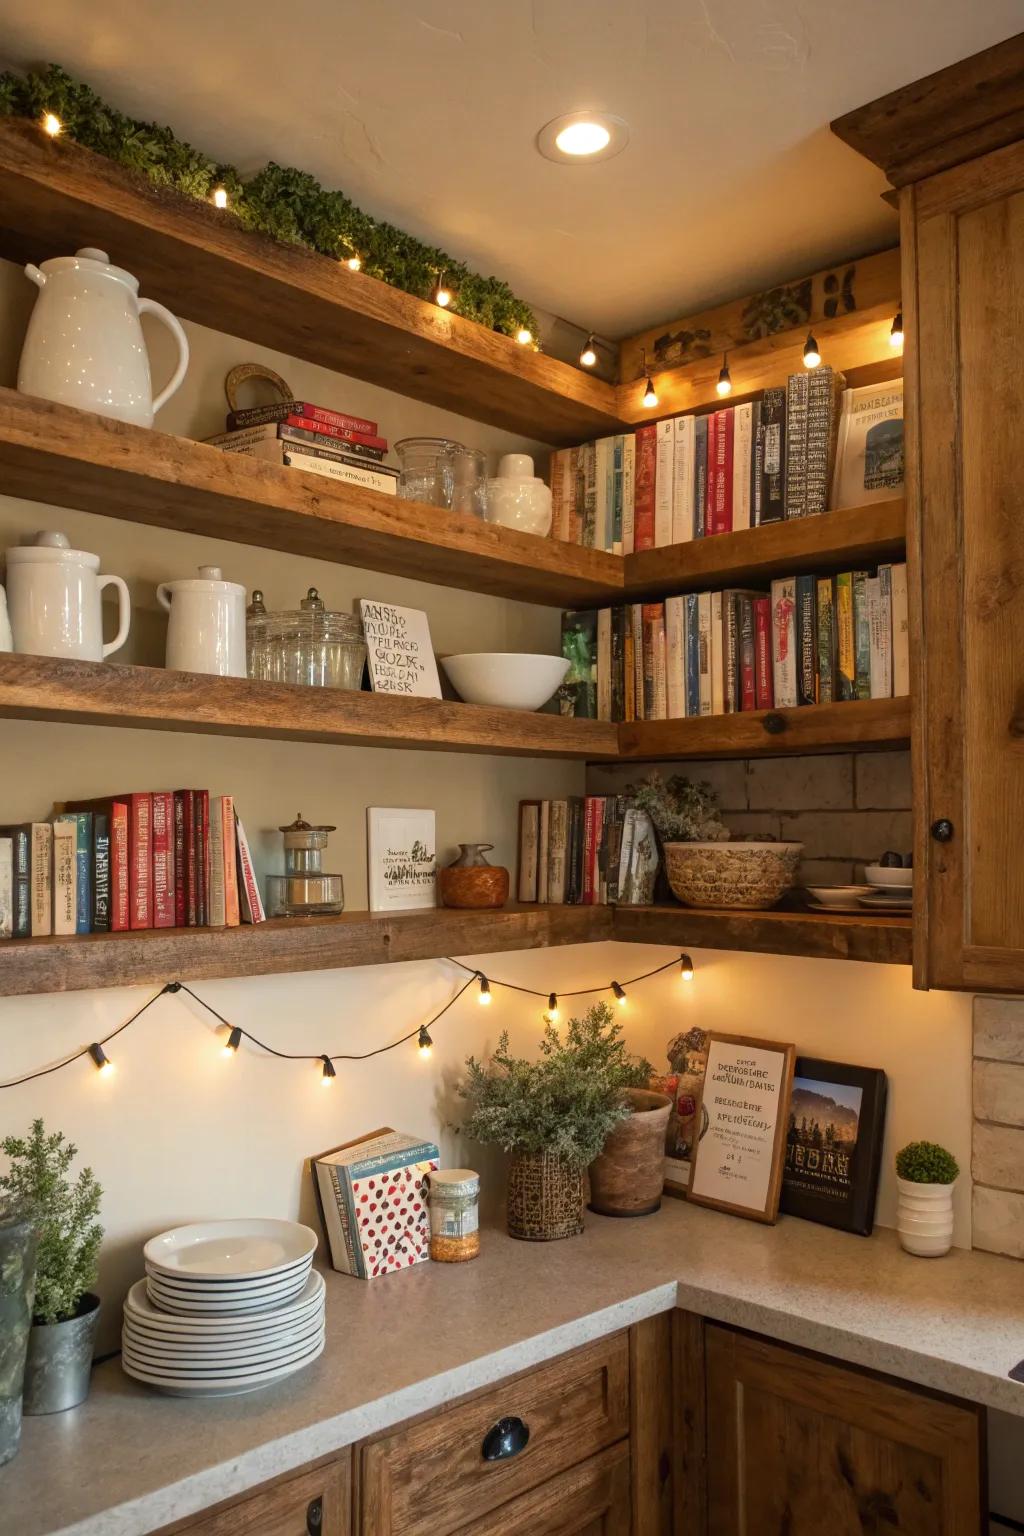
<point x="834" y="1144"/>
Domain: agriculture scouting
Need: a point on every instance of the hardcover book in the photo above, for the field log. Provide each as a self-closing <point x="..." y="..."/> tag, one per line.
<point x="773" y="450"/>
<point x="806" y="641"/>
<point x="700" y="476"/>
<point x="664" y="483"/>
<point x="900" y="633"/>
<point x="402" y="856"/>
<point x="846" y="669"/>
<point x="742" y="457"/>
<point x="764" y="690"/>
<point x="42" y="879"/>
<point x="628" y="491"/>
<point x="21" y="878"/>
<point x="861" y="636"/>
<point x="64" y="872"/>
<point x="784" y="658"/>
<point x="869" y="454"/>
<point x="824" y="387"/>
<point x="827" y="693"/>
<point x="280" y="410"/>
<point x="372" y="1195"/>
<point x="796" y="445"/>
<point x="6" y="887"/>
<point x="682" y="495"/>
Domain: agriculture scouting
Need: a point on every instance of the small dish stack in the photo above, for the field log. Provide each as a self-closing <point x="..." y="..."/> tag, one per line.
<point x="226" y="1307"/>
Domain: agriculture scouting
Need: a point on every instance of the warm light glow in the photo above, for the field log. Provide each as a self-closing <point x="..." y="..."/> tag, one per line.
<point x="896" y="334"/>
<point x="442" y="295"/>
<point x="354" y="263"/>
<point x="100" y="1058"/>
<point x="650" y="393"/>
<point x="582" y="138"/>
<point x="812" y="357"/>
<point x="485" y="992"/>
<point x="233" y="1041"/>
<point x="426" y="1045"/>
<point x="619" y="993"/>
<point x="685" y="968"/>
<point x="551" y="1012"/>
<point x="588" y="357"/>
<point x="220" y="197"/>
<point x="523" y="336"/>
<point x="52" y="124"/>
<point x="328" y="1074"/>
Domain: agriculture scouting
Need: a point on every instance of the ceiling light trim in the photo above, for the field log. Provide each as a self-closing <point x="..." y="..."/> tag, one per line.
<point x="616" y="128"/>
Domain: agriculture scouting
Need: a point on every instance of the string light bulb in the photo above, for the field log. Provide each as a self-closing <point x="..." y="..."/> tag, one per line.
<point x="812" y="357"/>
<point x="354" y="263"/>
<point x="426" y="1045"/>
<point x="100" y="1058"/>
<point x="485" y="990"/>
<point x="619" y="993"/>
<point x="896" y="334"/>
<point x="724" y="385"/>
<point x="650" y="393"/>
<point x="233" y="1041"/>
<point x="52" y="124"/>
<point x="220" y="197"/>
<point x="685" y="968"/>
<point x="524" y="336"/>
<point x="328" y="1073"/>
<point x="442" y="293"/>
<point x="551" y="1013"/>
<point x="588" y="356"/>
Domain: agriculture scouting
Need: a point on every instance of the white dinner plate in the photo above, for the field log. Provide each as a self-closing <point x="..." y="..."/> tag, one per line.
<point x="207" y="1372"/>
<point x="222" y="1338"/>
<point x="226" y="1250"/>
<point x="204" y="1287"/>
<point x="231" y="1309"/>
<point x="221" y="1365"/>
<point x="229" y="1388"/>
<point x="215" y="1347"/>
<point x="309" y="1297"/>
<point x="204" y="1298"/>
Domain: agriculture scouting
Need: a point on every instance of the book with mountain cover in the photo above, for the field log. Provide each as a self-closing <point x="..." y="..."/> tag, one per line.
<point x="869" y="455"/>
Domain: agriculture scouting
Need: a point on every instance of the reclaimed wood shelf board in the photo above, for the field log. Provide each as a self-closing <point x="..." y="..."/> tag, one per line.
<point x="824" y="936"/>
<point x="150" y="698"/>
<point x="206" y="267"/>
<point x="846" y="540"/>
<point x="771" y="732"/>
<point x="66" y="457"/>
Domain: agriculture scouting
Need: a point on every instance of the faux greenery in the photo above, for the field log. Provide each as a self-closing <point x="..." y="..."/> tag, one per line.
<point x="280" y="201"/>
<point x="682" y="812"/>
<point x="37" y="1185"/>
<point x="925" y="1162"/>
<point x="566" y="1102"/>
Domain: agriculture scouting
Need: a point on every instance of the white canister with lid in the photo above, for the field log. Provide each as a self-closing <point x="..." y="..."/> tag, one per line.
<point x="206" y="627"/>
<point x="517" y="498"/>
<point x="55" y="600"/>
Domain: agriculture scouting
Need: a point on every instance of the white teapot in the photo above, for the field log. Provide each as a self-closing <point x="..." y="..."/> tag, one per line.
<point x="55" y="598"/>
<point x="84" y="344"/>
<point x="206" y="628"/>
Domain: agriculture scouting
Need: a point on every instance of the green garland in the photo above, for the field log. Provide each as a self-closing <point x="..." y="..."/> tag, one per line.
<point x="288" y="204"/>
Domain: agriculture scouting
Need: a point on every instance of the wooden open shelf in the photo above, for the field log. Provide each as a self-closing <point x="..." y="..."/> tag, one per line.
<point x="362" y="938"/>
<point x="772" y="732"/>
<point x="206" y="267"/>
<point x="150" y="698"/>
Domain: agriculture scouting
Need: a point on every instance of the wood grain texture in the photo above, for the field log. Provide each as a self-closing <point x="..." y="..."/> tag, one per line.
<point x="809" y="728"/>
<point x="59" y="455"/>
<point x="955" y="115"/>
<point x="835" y="541"/>
<point x="207" y="268"/>
<point x="690" y="1459"/>
<point x="881" y="940"/>
<point x="795" y="1440"/>
<point x="430" y="1478"/>
<point x="589" y="1500"/>
<point x="281" y="1508"/>
<point x="651" y="1431"/>
<point x="152" y="698"/>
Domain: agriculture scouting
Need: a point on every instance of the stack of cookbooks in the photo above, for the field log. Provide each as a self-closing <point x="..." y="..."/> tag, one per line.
<point x="299" y="435"/>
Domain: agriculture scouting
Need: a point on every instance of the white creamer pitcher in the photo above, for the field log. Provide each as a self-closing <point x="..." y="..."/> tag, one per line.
<point x="84" y="344"/>
<point x="55" y="598"/>
<point x="206" y="628"/>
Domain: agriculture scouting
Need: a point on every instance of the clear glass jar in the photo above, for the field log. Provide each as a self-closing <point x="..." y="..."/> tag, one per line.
<point x="315" y="647"/>
<point x="466" y="473"/>
<point x="454" y="1199"/>
<point x="424" y="473"/>
<point x="257" y="639"/>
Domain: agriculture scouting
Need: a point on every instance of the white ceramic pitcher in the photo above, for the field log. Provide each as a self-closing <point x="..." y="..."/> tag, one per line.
<point x="84" y="344"/>
<point x="55" y="598"/>
<point x="206" y="628"/>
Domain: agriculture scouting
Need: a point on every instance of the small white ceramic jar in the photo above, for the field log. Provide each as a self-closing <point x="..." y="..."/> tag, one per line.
<point x="55" y="598"/>
<point x="517" y="498"/>
<point x="206" y="628"/>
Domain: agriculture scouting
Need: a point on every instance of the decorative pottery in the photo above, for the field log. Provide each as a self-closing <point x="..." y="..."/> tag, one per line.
<point x="628" y="1177"/>
<point x="55" y="595"/>
<point x="748" y="876"/>
<point x="206" y="628"/>
<point x="469" y="881"/>
<point x="84" y="345"/>
<point x="59" y="1360"/>
<point x="508" y="679"/>
<point x="17" y="1292"/>
<point x="545" y="1197"/>
<point x="924" y="1217"/>
<point x="517" y="498"/>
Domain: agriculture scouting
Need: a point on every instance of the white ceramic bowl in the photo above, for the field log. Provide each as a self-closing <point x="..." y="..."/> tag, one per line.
<point x="839" y="896"/>
<point x="505" y="678"/>
<point x="883" y="878"/>
<point x="230" y="1250"/>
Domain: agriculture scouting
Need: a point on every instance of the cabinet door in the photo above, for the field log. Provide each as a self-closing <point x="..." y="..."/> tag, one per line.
<point x="798" y="1446"/>
<point x="314" y="1502"/>
<point x="590" y="1500"/>
<point x="963" y="258"/>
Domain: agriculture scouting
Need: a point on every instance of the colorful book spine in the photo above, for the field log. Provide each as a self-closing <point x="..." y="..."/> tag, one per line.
<point x="201" y="830"/>
<point x="619" y="663"/>
<point x="216" y="914"/>
<point x="806" y="641"/>
<point x="756" y="465"/>
<point x="636" y="629"/>
<point x="743" y="426"/>
<point x="558" y="472"/>
<point x="692" y="655"/>
<point x="796" y="445"/>
<point x="900" y="633"/>
<point x="664" y="482"/>
<point x="616" y="515"/>
<point x="575" y="496"/>
<point x="603" y="492"/>
<point x="773" y="449"/>
<point x="718" y="657"/>
<point x="558" y="829"/>
<point x="255" y="415"/>
<point x="827" y="693"/>
<point x="250" y="901"/>
<point x="163" y="859"/>
<point x="628" y="491"/>
<point x="700" y="476"/>
<point x="822" y="423"/>
<point x="730" y="653"/>
<point x="180" y="862"/>
<point x="82" y="821"/>
<point x="588" y="501"/>
<point x="721" y="501"/>
<point x="101" y="872"/>
<point x="140" y="854"/>
<point x="704" y="658"/>
<point x="784" y="659"/>
<point x="846" y="674"/>
<point x="861" y="636"/>
<point x="747" y="652"/>
<point x="764" y="692"/>
<point x="65" y="858"/>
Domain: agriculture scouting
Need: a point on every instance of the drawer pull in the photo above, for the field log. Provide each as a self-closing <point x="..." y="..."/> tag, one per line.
<point x="506" y="1439"/>
<point x="315" y="1517"/>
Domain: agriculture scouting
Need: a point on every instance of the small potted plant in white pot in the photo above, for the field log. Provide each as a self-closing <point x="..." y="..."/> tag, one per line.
<point x="925" y="1176"/>
<point x="65" y="1310"/>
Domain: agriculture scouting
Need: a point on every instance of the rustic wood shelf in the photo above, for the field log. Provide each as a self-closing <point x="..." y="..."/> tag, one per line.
<point x="812" y="728"/>
<point x="836" y="540"/>
<point x="823" y="936"/>
<point x="67" y="457"/>
<point x="208" y="268"/>
<point x="150" y="698"/>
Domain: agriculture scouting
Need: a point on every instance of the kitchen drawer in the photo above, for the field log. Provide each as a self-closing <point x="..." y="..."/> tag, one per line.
<point x="589" y="1500"/>
<point x="314" y="1502"/>
<point x="431" y="1478"/>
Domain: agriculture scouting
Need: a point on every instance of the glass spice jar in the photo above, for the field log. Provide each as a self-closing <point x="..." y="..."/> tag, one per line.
<point x="454" y="1215"/>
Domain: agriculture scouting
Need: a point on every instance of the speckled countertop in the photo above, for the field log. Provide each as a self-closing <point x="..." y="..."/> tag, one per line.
<point x="129" y="1461"/>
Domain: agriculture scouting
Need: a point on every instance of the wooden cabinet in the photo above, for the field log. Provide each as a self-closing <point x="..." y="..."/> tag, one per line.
<point x="797" y="1445"/>
<point x="589" y="1500"/>
<point x="314" y="1502"/>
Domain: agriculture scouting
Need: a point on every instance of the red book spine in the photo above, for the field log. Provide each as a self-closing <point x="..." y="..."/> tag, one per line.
<point x="180" y="863"/>
<point x="328" y="429"/>
<point x="588" y="851"/>
<point x="163" y="859"/>
<point x="721" y="510"/>
<point x="140" y="859"/>
<point x="764" y="693"/>
<point x="119" y="877"/>
<point x="191" y="885"/>
<point x="338" y="419"/>
<point x="202" y="846"/>
<point x="231" y="908"/>
<point x="645" y="470"/>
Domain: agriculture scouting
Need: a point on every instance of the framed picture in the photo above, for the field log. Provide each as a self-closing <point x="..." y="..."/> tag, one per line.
<point x="398" y="650"/>
<point x="401" y="859"/>
<point x="834" y="1144"/>
<point x="687" y="1058"/>
<point x="737" y="1159"/>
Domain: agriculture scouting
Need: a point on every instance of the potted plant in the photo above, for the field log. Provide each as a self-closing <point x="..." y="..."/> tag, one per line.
<point x="925" y="1175"/>
<point x="65" y="1310"/>
<point x="17" y="1288"/>
<point x="553" y="1115"/>
<point x="705" y="866"/>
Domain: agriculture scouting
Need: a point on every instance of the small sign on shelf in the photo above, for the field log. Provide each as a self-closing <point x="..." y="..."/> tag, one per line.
<point x="398" y="650"/>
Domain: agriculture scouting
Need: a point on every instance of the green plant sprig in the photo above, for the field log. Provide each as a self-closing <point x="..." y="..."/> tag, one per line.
<point x="925" y="1162"/>
<point x="64" y="1213"/>
<point x="682" y="812"/>
<point x="280" y="201"/>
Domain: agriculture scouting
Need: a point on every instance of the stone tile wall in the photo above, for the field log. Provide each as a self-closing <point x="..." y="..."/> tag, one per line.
<point x="997" y="1143"/>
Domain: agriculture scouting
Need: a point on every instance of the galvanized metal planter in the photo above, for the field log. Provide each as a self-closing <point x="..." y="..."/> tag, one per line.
<point x="59" y="1360"/>
<point x="17" y="1292"/>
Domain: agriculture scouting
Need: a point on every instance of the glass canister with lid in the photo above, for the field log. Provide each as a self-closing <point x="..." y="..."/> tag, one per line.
<point x="312" y="645"/>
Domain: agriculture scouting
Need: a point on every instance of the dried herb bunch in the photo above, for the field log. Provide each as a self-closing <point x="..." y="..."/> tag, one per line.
<point x="37" y="1186"/>
<point x="567" y="1101"/>
<point x="682" y="811"/>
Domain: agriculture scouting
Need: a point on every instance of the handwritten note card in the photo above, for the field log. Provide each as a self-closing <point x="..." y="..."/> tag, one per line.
<point x="398" y="650"/>
<point x="745" y="1100"/>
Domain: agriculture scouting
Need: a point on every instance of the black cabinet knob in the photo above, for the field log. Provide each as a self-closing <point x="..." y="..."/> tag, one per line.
<point x="774" y="723"/>
<point x="314" y="1517"/>
<point x="942" y="830"/>
<point x="506" y="1439"/>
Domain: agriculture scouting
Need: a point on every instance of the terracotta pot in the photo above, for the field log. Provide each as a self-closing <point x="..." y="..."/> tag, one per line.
<point x="482" y="885"/>
<point x="628" y="1177"/>
<point x="545" y="1197"/>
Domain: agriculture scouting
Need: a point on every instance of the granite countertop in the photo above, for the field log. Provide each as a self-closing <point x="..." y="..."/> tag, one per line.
<point x="129" y="1460"/>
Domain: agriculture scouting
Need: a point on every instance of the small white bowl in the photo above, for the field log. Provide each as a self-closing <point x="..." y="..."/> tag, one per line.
<point x="506" y="678"/>
<point x="882" y="877"/>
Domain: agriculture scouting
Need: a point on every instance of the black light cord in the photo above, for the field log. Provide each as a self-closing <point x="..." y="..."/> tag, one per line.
<point x="605" y="986"/>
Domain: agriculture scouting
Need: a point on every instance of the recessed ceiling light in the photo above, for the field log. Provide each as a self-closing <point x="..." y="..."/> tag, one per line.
<point x="582" y="137"/>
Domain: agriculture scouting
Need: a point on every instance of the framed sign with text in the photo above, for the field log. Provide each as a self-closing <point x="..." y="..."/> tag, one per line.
<point x="736" y="1164"/>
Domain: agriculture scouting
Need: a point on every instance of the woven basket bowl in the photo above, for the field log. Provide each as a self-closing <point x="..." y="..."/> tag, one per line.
<point x="748" y="876"/>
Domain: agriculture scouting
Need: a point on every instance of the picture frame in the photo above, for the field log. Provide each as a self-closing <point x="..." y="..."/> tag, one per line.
<point x="833" y="1155"/>
<point x="737" y="1160"/>
<point x="687" y="1054"/>
<point x="401" y="856"/>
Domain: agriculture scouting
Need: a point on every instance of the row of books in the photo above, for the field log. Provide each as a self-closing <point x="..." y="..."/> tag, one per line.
<point x="590" y="850"/>
<point x="810" y="640"/>
<point x="299" y="435"/>
<point x="167" y="859"/>
<point x="763" y="461"/>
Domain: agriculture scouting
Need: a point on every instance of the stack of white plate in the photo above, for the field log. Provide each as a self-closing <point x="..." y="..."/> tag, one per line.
<point x="226" y="1307"/>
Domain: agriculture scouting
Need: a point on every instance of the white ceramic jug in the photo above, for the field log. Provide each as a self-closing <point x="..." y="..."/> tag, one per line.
<point x="6" y="636"/>
<point x="55" y="598"/>
<point x="84" y="344"/>
<point x="206" y="628"/>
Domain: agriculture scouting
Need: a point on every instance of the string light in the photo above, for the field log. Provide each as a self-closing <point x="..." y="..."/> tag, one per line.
<point x="233" y="1041"/>
<point x="588" y="356"/>
<point x="220" y="197"/>
<point x="354" y="263"/>
<point x="426" y="1045"/>
<point x="896" y="334"/>
<point x="52" y="124"/>
<point x="812" y="357"/>
<point x="485" y="990"/>
<point x="724" y="385"/>
<point x="523" y="336"/>
<point x="685" y="968"/>
<point x="620" y="994"/>
<point x="442" y="293"/>
<point x="552" y="1009"/>
<point x="101" y="1059"/>
<point x="650" y="393"/>
<point x="328" y="1074"/>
